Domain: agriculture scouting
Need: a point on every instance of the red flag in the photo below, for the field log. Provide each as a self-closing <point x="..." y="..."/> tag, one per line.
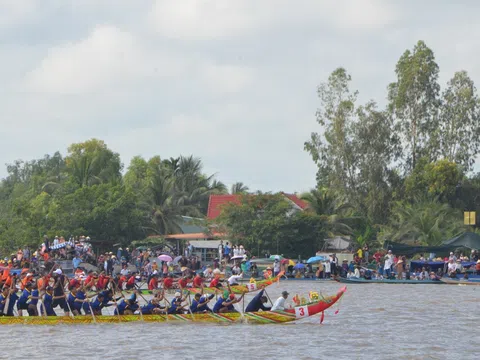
<point x="322" y="317"/>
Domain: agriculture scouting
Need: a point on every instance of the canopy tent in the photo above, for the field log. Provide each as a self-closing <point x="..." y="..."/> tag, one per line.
<point x="468" y="240"/>
<point x="409" y="250"/>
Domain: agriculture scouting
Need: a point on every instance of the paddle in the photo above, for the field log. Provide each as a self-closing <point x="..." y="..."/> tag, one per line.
<point x="113" y="286"/>
<point x="91" y="310"/>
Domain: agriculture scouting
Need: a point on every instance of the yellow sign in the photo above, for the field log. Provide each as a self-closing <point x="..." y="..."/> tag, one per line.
<point x="469" y="217"/>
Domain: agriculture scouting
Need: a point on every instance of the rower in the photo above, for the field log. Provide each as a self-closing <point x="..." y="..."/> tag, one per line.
<point x="131" y="282"/>
<point x="225" y="303"/>
<point x="199" y="303"/>
<point x="3" y="299"/>
<point x="153" y="283"/>
<point x="127" y="307"/>
<point x="168" y="282"/>
<point x="32" y="307"/>
<point x="71" y="300"/>
<point x="153" y="307"/>
<point x="22" y="303"/>
<point x="257" y="303"/>
<point x="11" y="303"/>
<point x="198" y="281"/>
<point x="176" y="306"/>
<point x="96" y="305"/>
<point x="215" y="283"/>
<point x="59" y="291"/>
<point x="80" y="298"/>
<point x="48" y="299"/>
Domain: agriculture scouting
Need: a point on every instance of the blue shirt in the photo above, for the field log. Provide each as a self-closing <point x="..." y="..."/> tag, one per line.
<point x="34" y="294"/>
<point x="71" y="301"/>
<point x="11" y="304"/>
<point x="47" y="301"/>
<point x="78" y="305"/>
<point x="24" y="297"/>
<point x="76" y="262"/>
<point x="148" y="309"/>
<point x="121" y="307"/>
<point x="2" y="302"/>
<point x="219" y="304"/>
<point x="256" y="304"/>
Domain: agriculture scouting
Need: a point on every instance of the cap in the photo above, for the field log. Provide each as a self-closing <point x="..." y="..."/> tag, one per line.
<point x="58" y="271"/>
<point x="178" y="294"/>
<point x="232" y="296"/>
<point x="285" y="293"/>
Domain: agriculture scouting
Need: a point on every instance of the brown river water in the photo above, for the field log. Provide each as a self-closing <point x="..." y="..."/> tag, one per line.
<point x="374" y="321"/>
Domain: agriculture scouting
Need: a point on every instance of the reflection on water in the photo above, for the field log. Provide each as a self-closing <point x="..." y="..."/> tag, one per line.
<point x="374" y="321"/>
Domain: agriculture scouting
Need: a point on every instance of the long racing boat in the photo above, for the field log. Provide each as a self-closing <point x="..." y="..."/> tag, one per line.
<point x="260" y="317"/>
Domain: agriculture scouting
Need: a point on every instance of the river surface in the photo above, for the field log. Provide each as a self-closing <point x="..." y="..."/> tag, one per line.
<point x="374" y="321"/>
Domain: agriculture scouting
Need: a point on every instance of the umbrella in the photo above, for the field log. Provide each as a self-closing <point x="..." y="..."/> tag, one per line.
<point x="273" y="257"/>
<point x="165" y="257"/>
<point x="175" y="261"/>
<point x="299" y="266"/>
<point x="316" y="259"/>
<point x="183" y="268"/>
<point x="238" y="257"/>
<point x="288" y="262"/>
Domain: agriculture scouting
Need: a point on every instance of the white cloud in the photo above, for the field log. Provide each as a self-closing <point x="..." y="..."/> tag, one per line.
<point x="211" y="19"/>
<point x="230" y="81"/>
<point x="86" y="65"/>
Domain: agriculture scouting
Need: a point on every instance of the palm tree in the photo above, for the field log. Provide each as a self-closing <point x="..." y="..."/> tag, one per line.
<point x="330" y="210"/>
<point x="164" y="207"/>
<point x="424" y="222"/>
<point x="239" y="188"/>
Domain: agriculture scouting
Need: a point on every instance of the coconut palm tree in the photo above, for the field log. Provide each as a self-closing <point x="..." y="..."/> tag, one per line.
<point x="239" y="188"/>
<point x="424" y="221"/>
<point x="331" y="211"/>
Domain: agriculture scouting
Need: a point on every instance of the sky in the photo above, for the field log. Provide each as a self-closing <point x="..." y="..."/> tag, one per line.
<point x="232" y="82"/>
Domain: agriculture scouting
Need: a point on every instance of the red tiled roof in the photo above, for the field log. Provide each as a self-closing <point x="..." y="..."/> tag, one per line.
<point x="295" y="199"/>
<point x="216" y="202"/>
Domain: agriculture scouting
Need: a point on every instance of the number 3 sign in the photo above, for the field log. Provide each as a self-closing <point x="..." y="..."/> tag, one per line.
<point x="301" y="311"/>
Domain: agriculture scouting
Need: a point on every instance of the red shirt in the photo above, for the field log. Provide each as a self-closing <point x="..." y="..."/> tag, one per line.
<point x="214" y="282"/>
<point x="74" y="283"/>
<point x="131" y="281"/>
<point x="121" y="281"/>
<point x="102" y="282"/>
<point x="183" y="282"/>
<point x="168" y="283"/>
<point x="153" y="284"/>
<point x="197" y="281"/>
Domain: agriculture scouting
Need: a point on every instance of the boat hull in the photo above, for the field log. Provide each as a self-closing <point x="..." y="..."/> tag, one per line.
<point x="459" y="282"/>
<point x="364" y="281"/>
<point x="261" y="317"/>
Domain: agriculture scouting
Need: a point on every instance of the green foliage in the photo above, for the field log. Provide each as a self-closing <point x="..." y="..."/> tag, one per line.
<point x="425" y="222"/>
<point x="438" y="179"/>
<point x="268" y="222"/>
<point x="85" y="193"/>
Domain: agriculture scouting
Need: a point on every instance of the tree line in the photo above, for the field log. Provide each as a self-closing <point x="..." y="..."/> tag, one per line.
<point x="86" y="193"/>
<point x="402" y="172"/>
